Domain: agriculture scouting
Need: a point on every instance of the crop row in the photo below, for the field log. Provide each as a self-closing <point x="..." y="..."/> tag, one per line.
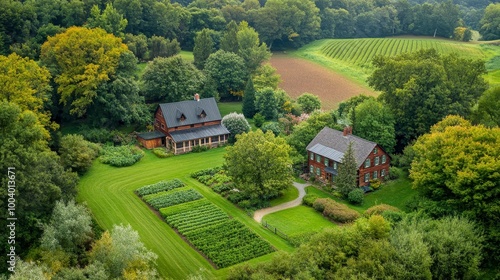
<point x="229" y="242"/>
<point x="160" y="186"/>
<point x="196" y="218"/>
<point x="173" y="198"/>
<point x="362" y="51"/>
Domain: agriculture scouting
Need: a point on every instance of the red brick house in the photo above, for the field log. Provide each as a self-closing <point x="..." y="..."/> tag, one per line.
<point x="326" y="150"/>
<point x="180" y="126"/>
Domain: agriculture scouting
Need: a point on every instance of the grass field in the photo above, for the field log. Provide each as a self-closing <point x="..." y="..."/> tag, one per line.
<point x="108" y="191"/>
<point x="290" y="194"/>
<point x="352" y="57"/>
<point x="298" y="220"/>
<point x="396" y="193"/>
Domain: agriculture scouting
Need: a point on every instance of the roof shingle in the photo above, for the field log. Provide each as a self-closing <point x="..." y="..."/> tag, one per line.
<point x="191" y="109"/>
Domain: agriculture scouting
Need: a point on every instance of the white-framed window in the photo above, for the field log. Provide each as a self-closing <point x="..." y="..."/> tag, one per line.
<point x="335" y="166"/>
<point x="383" y="159"/>
<point x="367" y="163"/>
<point x="318" y="171"/>
<point x="326" y="161"/>
<point x="311" y="156"/>
<point x="367" y="177"/>
<point x="382" y="173"/>
<point x="375" y="151"/>
<point x="311" y="169"/>
<point x="375" y="174"/>
<point x="318" y="158"/>
<point x="377" y="160"/>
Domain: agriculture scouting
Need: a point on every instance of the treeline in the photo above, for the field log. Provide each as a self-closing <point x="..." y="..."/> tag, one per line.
<point x="25" y="25"/>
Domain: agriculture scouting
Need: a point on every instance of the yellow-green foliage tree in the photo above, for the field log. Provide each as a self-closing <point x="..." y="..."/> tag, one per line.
<point x="259" y="164"/>
<point x="81" y="59"/>
<point x="457" y="165"/>
<point x="26" y="84"/>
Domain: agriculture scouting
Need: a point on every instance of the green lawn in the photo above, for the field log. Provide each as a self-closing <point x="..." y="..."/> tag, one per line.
<point x="290" y="194"/>
<point x="187" y="55"/>
<point x="396" y="193"/>
<point x="230" y="107"/>
<point x="298" y="220"/>
<point x="108" y="191"/>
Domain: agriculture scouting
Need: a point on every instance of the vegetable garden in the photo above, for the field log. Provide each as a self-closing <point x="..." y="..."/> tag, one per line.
<point x="220" y="238"/>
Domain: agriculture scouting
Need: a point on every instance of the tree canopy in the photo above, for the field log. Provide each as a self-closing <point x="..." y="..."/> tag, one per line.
<point x="171" y="79"/>
<point x="80" y="60"/>
<point x="263" y="173"/>
<point x="490" y="23"/>
<point x="229" y="73"/>
<point x="309" y="102"/>
<point x="423" y="87"/>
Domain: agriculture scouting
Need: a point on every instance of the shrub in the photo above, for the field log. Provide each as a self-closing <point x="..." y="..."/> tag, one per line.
<point x="162" y="152"/>
<point x="393" y="216"/>
<point x="259" y="119"/>
<point x="340" y="212"/>
<point x="309" y="199"/>
<point x="209" y="171"/>
<point x="379" y="209"/>
<point x="356" y="196"/>
<point x="394" y="173"/>
<point x="375" y="184"/>
<point x="121" y="156"/>
<point x="236" y="124"/>
<point x="274" y="127"/>
<point x="320" y="203"/>
<point x="199" y="149"/>
<point x="77" y="153"/>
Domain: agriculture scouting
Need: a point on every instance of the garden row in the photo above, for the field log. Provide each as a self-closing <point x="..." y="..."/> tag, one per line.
<point x="362" y="51"/>
<point x="220" y="238"/>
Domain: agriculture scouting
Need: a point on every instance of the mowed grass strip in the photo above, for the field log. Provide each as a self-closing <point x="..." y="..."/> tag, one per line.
<point x="298" y="220"/>
<point x="109" y="193"/>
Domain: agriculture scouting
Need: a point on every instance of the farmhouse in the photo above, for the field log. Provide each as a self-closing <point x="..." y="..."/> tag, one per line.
<point x="180" y="126"/>
<point x="326" y="150"/>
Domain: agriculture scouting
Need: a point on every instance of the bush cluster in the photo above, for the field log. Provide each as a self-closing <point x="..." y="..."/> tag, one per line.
<point x="356" y="196"/>
<point x="215" y="178"/>
<point x="379" y="209"/>
<point x="335" y="211"/>
<point x="209" y="171"/>
<point x="121" y="156"/>
<point x="199" y="149"/>
<point x="162" y="152"/>
<point x="309" y="199"/>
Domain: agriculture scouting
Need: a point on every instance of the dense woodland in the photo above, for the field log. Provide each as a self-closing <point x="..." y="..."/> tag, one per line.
<point x="75" y="62"/>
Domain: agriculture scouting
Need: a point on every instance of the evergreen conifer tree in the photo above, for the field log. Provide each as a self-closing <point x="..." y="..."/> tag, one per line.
<point x="249" y="100"/>
<point x="347" y="173"/>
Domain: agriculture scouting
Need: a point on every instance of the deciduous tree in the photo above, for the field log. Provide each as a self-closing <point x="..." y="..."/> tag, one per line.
<point x="80" y="60"/>
<point x="229" y="41"/>
<point x="490" y="23"/>
<point x="171" y="79"/>
<point x="249" y="47"/>
<point x="162" y="47"/>
<point x="229" y="73"/>
<point x="375" y="122"/>
<point x="266" y="76"/>
<point x="309" y="102"/>
<point x="266" y="171"/>
<point x="423" y="87"/>
<point x="77" y="153"/>
<point x="486" y="112"/>
<point x="203" y="47"/>
<point x="110" y="20"/>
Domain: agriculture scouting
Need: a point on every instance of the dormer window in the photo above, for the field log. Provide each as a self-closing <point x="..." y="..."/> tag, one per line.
<point x="182" y="118"/>
<point x="180" y="115"/>
<point x="200" y="112"/>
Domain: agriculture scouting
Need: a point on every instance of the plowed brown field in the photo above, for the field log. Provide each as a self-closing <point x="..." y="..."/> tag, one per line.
<point x="299" y="76"/>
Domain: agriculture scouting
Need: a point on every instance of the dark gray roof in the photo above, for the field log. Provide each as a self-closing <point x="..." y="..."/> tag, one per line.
<point x="191" y="109"/>
<point x="331" y="171"/>
<point x="151" y="135"/>
<point x="199" y="132"/>
<point x="327" y="152"/>
<point x="335" y="140"/>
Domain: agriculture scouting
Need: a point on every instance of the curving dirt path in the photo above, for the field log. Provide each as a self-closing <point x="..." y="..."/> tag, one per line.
<point x="259" y="214"/>
<point x="300" y="75"/>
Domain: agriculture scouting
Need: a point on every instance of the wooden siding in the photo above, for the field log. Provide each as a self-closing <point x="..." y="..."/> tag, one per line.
<point x="187" y="146"/>
<point x="151" y="143"/>
<point x="361" y="171"/>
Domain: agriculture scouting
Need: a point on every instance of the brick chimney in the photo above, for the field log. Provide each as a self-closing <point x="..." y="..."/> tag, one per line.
<point x="347" y="130"/>
<point x="196" y="97"/>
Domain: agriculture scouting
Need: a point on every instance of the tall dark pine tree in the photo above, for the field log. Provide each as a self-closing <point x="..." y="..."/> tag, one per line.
<point x="203" y="47"/>
<point x="229" y="41"/>
<point x="347" y="173"/>
<point x="249" y="100"/>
